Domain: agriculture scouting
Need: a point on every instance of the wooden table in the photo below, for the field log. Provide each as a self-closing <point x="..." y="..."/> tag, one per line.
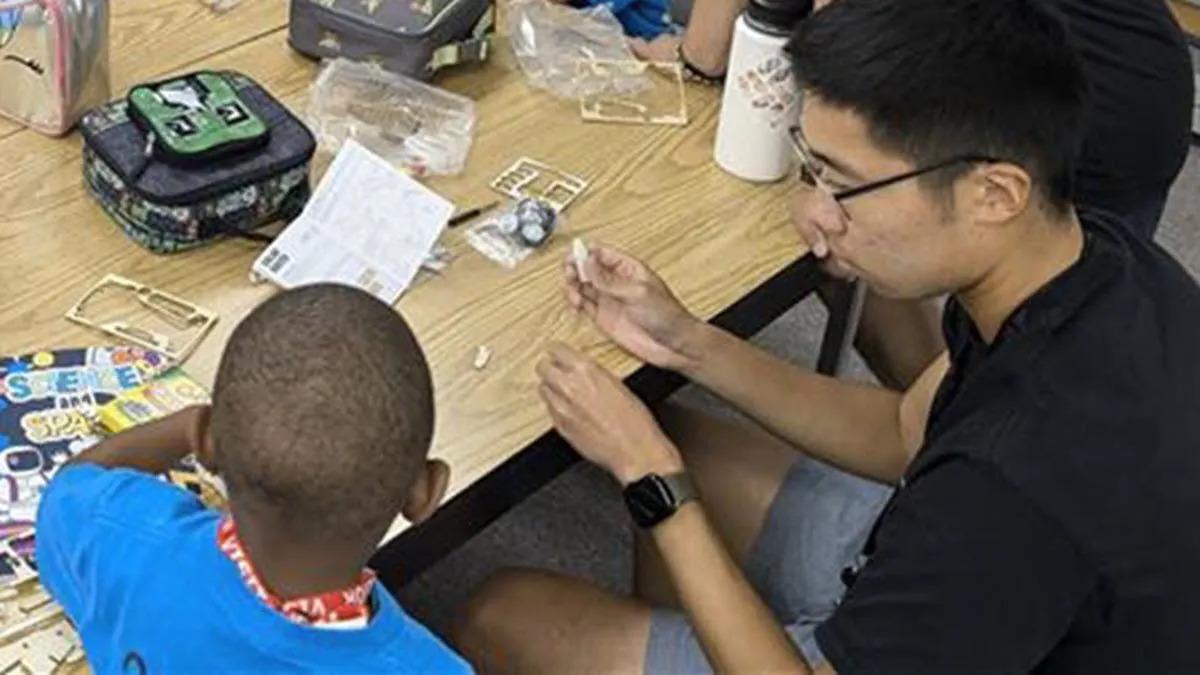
<point x="724" y="246"/>
<point x="1188" y="16"/>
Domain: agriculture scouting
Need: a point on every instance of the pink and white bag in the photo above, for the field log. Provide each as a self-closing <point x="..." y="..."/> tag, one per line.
<point x="53" y="61"/>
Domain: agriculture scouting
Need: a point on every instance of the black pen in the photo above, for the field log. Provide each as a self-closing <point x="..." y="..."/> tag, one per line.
<point x="467" y="215"/>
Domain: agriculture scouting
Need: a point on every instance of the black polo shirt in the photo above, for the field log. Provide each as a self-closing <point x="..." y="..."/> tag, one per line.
<point x="1049" y="522"/>
<point x="1140" y="118"/>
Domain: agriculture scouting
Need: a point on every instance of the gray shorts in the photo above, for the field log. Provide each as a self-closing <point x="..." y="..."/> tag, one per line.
<point x="815" y="527"/>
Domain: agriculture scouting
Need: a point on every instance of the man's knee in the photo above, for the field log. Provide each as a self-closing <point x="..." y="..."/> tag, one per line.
<point x="487" y="618"/>
<point x="691" y="430"/>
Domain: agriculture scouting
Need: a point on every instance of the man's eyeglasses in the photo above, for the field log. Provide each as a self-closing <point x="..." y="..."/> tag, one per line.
<point x="810" y="170"/>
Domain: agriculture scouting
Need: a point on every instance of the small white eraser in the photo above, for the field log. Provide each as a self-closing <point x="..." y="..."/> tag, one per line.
<point x="579" y="252"/>
<point x="482" y="356"/>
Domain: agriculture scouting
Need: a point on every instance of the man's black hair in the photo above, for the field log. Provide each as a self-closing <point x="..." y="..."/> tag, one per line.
<point x="323" y="411"/>
<point x="938" y="79"/>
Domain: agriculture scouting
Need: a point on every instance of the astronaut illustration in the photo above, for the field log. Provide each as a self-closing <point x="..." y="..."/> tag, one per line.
<point x="23" y="476"/>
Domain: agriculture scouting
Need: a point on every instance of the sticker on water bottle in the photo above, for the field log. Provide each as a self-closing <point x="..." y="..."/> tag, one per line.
<point x="771" y="90"/>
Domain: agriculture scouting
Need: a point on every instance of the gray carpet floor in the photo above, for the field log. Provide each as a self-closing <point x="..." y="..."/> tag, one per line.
<point x="577" y="524"/>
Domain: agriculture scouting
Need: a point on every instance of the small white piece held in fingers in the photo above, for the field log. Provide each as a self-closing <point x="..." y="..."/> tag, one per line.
<point x="579" y="253"/>
<point x="482" y="356"/>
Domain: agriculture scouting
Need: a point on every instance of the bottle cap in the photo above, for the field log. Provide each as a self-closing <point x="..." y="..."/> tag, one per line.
<point x="777" y="17"/>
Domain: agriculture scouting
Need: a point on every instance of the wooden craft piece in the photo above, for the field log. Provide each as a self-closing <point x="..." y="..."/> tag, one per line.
<point x="47" y="649"/>
<point x="173" y="310"/>
<point x="34" y="601"/>
<point x="10" y="657"/>
<point x="27" y="625"/>
<point x="608" y="106"/>
<point x="531" y="179"/>
<point x="21" y="570"/>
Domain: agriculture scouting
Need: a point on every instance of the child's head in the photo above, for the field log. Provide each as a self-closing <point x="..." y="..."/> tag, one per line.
<point x="322" y="418"/>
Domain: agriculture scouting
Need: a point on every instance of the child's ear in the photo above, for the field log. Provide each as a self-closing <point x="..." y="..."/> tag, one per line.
<point x="427" y="491"/>
<point x="202" y="441"/>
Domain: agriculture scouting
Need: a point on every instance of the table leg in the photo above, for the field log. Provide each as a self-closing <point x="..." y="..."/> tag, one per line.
<point x="845" y="303"/>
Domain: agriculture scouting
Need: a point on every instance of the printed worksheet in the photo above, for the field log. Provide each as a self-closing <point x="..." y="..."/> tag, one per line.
<point x="367" y="225"/>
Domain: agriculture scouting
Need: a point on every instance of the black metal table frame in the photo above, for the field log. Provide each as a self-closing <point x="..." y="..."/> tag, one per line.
<point x="421" y="546"/>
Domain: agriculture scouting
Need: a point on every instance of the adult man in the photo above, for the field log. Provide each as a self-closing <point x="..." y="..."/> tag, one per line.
<point x="1046" y="465"/>
<point x="1138" y="130"/>
<point x="1138" y="124"/>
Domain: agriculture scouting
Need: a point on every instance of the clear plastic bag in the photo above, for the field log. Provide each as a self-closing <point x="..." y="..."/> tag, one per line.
<point x="550" y="40"/>
<point x="508" y="235"/>
<point x="408" y="123"/>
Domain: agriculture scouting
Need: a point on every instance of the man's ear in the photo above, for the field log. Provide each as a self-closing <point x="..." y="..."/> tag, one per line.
<point x="427" y="491"/>
<point x="202" y="440"/>
<point x="1002" y="192"/>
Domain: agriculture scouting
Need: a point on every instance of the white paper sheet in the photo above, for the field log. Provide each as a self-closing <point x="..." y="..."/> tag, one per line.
<point x="367" y="225"/>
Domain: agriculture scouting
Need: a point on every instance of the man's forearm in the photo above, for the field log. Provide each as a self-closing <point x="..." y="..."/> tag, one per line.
<point x="853" y="426"/>
<point x="709" y="33"/>
<point x="153" y="447"/>
<point x="739" y="634"/>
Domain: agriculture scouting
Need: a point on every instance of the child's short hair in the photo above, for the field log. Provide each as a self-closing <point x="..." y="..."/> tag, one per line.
<point x="323" y="411"/>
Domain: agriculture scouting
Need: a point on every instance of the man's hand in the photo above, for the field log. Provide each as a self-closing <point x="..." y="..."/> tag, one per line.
<point x="812" y="214"/>
<point x="633" y="306"/>
<point x="709" y="58"/>
<point x="598" y="415"/>
<point x="661" y="48"/>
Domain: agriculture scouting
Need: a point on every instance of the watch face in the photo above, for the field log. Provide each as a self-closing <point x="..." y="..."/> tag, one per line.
<point x="650" y="501"/>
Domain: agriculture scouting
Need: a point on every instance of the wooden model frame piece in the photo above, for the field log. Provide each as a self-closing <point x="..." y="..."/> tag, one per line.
<point x="592" y="108"/>
<point x="516" y="182"/>
<point x="172" y="309"/>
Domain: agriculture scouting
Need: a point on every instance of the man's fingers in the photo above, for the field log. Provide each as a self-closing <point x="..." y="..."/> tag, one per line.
<point x="573" y="296"/>
<point x="613" y="281"/>
<point x="611" y="257"/>
<point x="564" y="357"/>
<point x="588" y="292"/>
<point x="570" y="271"/>
<point x="640" y="48"/>
<point x="813" y="236"/>
<point x="590" y="308"/>
<point x="556" y="405"/>
<point x="547" y="371"/>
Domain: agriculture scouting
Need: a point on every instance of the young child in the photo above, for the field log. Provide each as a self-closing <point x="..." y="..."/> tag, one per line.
<point x="321" y="420"/>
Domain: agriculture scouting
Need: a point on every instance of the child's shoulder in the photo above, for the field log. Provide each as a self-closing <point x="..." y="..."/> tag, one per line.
<point x="116" y="523"/>
<point x="416" y="649"/>
<point x="116" y="498"/>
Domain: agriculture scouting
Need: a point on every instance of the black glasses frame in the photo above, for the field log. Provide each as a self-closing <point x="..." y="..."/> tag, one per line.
<point x="810" y="164"/>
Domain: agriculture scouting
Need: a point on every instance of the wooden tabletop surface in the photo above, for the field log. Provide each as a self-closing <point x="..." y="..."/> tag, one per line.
<point x="1188" y="16"/>
<point x="654" y="191"/>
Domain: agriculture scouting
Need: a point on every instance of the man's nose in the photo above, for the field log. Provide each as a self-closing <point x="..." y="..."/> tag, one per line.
<point x="818" y="210"/>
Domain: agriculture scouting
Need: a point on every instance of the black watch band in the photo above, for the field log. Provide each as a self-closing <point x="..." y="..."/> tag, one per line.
<point x="693" y="74"/>
<point x="655" y="498"/>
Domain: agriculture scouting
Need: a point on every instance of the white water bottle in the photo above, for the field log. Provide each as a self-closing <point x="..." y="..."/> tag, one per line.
<point x="761" y="99"/>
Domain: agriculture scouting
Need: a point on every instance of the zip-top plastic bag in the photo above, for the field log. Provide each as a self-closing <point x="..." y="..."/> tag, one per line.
<point x="53" y="61"/>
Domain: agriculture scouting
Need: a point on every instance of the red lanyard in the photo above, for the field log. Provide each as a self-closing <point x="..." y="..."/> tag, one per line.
<point x="332" y="607"/>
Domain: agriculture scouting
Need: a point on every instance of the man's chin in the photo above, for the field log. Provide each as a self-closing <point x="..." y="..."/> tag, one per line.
<point x="891" y="291"/>
<point x="839" y="269"/>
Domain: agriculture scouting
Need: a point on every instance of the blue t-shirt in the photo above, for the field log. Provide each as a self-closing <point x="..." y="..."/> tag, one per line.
<point x="646" y="19"/>
<point x="134" y="562"/>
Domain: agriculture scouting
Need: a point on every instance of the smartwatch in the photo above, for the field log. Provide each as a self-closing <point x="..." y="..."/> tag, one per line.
<point x="655" y="498"/>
